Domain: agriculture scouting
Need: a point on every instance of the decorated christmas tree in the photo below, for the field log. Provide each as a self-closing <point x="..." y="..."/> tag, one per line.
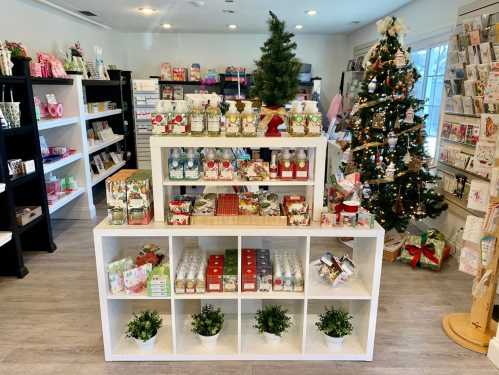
<point x="276" y="75"/>
<point x="388" y="136"/>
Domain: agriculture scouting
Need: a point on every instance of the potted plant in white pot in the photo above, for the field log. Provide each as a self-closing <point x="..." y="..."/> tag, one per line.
<point x="208" y="324"/>
<point x="143" y="329"/>
<point x="272" y="321"/>
<point x="335" y="325"/>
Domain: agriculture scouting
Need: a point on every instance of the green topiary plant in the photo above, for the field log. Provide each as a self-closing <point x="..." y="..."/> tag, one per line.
<point x="272" y="319"/>
<point x="335" y="323"/>
<point x="144" y="325"/>
<point x="209" y="322"/>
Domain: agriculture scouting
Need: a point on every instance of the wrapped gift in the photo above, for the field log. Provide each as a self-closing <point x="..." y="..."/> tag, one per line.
<point x="423" y="250"/>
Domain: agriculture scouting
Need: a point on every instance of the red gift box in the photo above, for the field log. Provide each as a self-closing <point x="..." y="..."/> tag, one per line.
<point x="249" y="279"/>
<point x="214" y="279"/>
<point x="228" y="205"/>
<point x="216" y="261"/>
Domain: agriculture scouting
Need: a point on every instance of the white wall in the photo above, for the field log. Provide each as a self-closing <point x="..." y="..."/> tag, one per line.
<point x="145" y="52"/>
<point x="44" y="29"/>
<point x="424" y="19"/>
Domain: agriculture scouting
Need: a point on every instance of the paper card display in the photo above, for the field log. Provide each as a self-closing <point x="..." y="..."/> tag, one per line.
<point x="474" y="54"/>
<point x="472" y="72"/>
<point x="478" y="197"/>
<point x="469" y="261"/>
<point x="475" y="37"/>
<point x="485" y="53"/>
<point x="489" y="127"/>
<point x="472" y="231"/>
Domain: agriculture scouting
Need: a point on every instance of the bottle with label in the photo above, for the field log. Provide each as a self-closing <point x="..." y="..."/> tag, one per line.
<point x="175" y="165"/>
<point x="180" y="121"/>
<point x="197" y="117"/>
<point x="161" y="120"/>
<point x="191" y="165"/>
<point x="286" y="166"/>
<point x="226" y="168"/>
<point x="273" y="170"/>
<point x="232" y="121"/>
<point x="249" y="120"/>
<point x="213" y="118"/>
<point x="210" y="165"/>
<point x="314" y="119"/>
<point x="297" y="120"/>
<point x="301" y="165"/>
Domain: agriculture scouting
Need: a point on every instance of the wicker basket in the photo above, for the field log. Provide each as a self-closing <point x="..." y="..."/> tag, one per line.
<point x="240" y="220"/>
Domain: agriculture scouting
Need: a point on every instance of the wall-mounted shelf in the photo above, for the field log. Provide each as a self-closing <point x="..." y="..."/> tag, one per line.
<point x="101" y="82"/>
<point x="55" y="123"/>
<point x="97" y="115"/>
<point x="50" y="167"/>
<point x="65" y="200"/>
<point x="103" y="144"/>
<point x="102" y="176"/>
<point x="52" y="81"/>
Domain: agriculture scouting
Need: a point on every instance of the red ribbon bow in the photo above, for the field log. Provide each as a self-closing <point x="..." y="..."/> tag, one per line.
<point x="427" y="250"/>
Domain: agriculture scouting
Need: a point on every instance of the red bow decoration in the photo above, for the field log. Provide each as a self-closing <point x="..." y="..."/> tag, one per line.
<point x="427" y="250"/>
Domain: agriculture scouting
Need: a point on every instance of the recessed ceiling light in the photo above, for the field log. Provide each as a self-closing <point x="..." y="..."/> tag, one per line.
<point x="311" y="12"/>
<point x="355" y="22"/>
<point x="299" y="27"/>
<point x="232" y="27"/>
<point x="166" y="26"/>
<point x="228" y="11"/>
<point x="146" y="11"/>
<point x="197" y="3"/>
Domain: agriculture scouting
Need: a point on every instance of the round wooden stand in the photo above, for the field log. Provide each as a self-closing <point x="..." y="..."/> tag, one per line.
<point x="460" y="329"/>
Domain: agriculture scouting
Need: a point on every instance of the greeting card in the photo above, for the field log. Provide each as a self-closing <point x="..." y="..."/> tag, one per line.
<point x="478" y="197"/>
<point x="489" y="127"/>
<point x="485" y="53"/>
<point x="475" y="37"/>
<point x="474" y="54"/>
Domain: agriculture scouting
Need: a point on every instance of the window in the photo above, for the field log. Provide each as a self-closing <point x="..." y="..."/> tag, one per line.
<point x="430" y="63"/>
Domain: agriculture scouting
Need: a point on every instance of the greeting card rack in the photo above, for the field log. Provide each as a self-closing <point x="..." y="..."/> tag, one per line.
<point x="29" y="190"/>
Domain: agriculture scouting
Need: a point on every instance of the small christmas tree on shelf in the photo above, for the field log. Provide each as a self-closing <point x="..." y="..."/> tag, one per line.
<point x="276" y="75"/>
<point x="388" y="136"/>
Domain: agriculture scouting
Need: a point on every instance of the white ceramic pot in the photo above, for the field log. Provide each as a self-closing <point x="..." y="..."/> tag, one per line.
<point x="146" y="346"/>
<point x="333" y="343"/>
<point x="209" y="341"/>
<point x="270" y="338"/>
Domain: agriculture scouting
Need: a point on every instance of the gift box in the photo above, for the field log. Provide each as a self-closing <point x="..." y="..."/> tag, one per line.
<point x="426" y="251"/>
<point x="249" y="279"/>
<point x="116" y="197"/>
<point x="214" y="279"/>
<point x="139" y="197"/>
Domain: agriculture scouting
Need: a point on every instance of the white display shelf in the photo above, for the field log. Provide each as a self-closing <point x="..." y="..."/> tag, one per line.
<point x="103" y="144"/>
<point x="236" y="182"/>
<point x="5" y="237"/>
<point x="55" y="123"/>
<point x="101" y="176"/>
<point x="138" y="296"/>
<point x="50" y="167"/>
<point x="65" y="200"/>
<point x="97" y="115"/>
<point x="2" y="188"/>
<point x="240" y="340"/>
<point x="162" y="187"/>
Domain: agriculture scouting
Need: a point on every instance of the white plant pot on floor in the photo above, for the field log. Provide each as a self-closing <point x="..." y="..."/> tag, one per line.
<point x="270" y="338"/>
<point x="146" y="346"/>
<point x="333" y="343"/>
<point x="209" y="341"/>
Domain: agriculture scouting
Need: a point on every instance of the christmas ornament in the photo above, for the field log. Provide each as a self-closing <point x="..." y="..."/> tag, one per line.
<point x="390" y="171"/>
<point x="371" y="87"/>
<point x="398" y="206"/>
<point x="392" y="140"/>
<point x="400" y="59"/>
<point x="420" y="210"/>
<point x="407" y="158"/>
<point x="409" y="116"/>
<point x="366" y="191"/>
<point x="415" y="164"/>
<point x="355" y="109"/>
<point x="379" y="120"/>
<point x="397" y="123"/>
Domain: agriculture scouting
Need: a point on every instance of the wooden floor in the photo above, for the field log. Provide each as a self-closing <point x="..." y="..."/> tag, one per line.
<point x="50" y="324"/>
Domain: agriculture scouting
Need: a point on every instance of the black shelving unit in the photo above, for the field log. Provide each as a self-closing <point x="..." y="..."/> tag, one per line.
<point x="22" y="143"/>
<point x="128" y="116"/>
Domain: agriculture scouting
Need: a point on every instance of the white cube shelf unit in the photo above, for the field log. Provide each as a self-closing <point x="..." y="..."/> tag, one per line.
<point x="314" y="187"/>
<point x="239" y="340"/>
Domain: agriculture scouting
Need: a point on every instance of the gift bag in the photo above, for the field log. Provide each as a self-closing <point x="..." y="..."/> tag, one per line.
<point x="11" y="110"/>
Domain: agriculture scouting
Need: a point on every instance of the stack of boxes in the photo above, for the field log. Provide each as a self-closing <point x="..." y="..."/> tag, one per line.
<point x="230" y="271"/>
<point x="248" y="265"/>
<point x="263" y="270"/>
<point x="214" y="273"/>
<point x="129" y="197"/>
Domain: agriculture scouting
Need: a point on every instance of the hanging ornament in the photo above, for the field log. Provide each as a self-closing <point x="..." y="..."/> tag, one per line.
<point x="400" y="59"/>
<point x="415" y="164"/>
<point x="366" y="191"/>
<point x="397" y="123"/>
<point x="379" y="120"/>
<point x="379" y="161"/>
<point x="371" y="87"/>
<point x="409" y="116"/>
<point x="407" y="158"/>
<point x="420" y="139"/>
<point x="355" y="109"/>
<point x="420" y="211"/>
<point x="398" y="206"/>
<point x="390" y="171"/>
<point x="392" y="140"/>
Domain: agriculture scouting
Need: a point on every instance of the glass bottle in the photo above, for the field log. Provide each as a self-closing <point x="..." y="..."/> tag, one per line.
<point x="314" y="119"/>
<point x="210" y="165"/>
<point x="197" y="117"/>
<point x="180" y="122"/>
<point x="301" y="165"/>
<point x="232" y="121"/>
<point x="297" y="120"/>
<point x="273" y="166"/>
<point x="213" y="118"/>
<point x="249" y="120"/>
<point x="226" y="168"/>
<point x="175" y="165"/>
<point x="286" y="166"/>
<point x="191" y="165"/>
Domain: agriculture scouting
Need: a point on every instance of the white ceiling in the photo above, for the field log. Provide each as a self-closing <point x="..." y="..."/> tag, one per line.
<point x="333" y="16"/>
